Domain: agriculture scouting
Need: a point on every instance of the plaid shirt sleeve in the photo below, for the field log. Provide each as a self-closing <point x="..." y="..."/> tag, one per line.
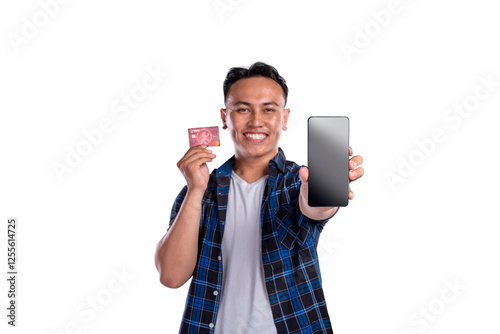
<point x="177" y="206"/>
<point x="304" y="220"/>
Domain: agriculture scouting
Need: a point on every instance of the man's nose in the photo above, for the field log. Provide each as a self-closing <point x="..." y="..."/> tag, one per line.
<point x="256" y="119"/>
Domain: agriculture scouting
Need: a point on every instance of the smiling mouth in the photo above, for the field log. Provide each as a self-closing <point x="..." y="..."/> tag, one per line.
<point x="255" y="136"/>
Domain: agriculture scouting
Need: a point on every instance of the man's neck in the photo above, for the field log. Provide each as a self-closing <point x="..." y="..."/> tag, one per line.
<point x="252" y="170"/>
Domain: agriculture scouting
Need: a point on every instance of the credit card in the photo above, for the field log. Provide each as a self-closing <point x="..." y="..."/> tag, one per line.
<point x="204" y="136"/>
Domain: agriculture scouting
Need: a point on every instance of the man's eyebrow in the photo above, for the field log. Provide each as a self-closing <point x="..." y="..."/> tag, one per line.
<point x="264" y="104"/>
<point x="271" y="103"/>
<point x="242" y="102"/>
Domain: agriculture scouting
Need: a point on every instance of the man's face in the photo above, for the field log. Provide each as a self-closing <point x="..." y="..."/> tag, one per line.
<point x="255" y="116"/>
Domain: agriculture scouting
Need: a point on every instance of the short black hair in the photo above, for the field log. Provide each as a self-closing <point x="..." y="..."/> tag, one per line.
<point x="256" y="69"/>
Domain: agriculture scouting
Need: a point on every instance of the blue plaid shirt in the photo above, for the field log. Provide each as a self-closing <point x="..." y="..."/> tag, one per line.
<point x="289" y="241"/>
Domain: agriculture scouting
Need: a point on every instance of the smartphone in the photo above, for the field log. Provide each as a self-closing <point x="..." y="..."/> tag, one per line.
<point x="328" y="160"/>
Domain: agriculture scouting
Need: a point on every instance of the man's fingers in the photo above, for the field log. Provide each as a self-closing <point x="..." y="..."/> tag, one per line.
<point x="356" y="174"/>
<point x="355" y="161"/>
<point x="191" y="153"/>
<point x="360" y="171"/>
<point x="193" y="150"/>
<point x="199" y="155"/>
<point x="193" y="166"/>
<point x="201" y="161"/>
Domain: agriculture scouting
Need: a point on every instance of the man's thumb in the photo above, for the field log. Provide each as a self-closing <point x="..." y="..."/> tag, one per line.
<point x="303" y="174"/>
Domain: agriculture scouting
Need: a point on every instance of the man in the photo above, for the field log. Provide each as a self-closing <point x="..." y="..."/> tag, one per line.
<point x="245" y="232"/>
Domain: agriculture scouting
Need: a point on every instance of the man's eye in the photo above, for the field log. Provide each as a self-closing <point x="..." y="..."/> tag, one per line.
<point x="270" y="110"/>
<point x="242" y="109"/>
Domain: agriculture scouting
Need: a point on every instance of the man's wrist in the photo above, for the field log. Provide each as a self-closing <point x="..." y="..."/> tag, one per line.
<point x="195" y="194"/>
<point x="316" y="213"/>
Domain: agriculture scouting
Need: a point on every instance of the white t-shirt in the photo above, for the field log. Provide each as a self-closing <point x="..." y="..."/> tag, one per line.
<point x="244" y="306"/>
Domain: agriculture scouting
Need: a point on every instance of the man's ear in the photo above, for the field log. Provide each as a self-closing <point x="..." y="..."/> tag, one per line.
<point x="223" y="117"/>
<point x="285" y="117"/>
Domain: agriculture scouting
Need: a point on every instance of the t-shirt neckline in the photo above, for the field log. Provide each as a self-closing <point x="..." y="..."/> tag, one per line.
<point x="242" y="180"/>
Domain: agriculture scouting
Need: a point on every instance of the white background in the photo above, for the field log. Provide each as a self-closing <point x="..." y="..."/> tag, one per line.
<point x="384" y="258"/>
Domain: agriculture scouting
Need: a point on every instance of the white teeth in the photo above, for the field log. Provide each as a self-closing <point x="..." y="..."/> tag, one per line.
<point x="255" y="135"/>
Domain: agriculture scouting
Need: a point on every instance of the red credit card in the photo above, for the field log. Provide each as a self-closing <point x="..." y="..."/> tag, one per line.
<point x="204" y="136"/>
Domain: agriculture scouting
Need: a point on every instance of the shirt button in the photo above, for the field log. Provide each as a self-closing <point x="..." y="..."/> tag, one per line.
<point x="216" y="293"/>
<point x="219" y="257"/>
<point x="211" y="325"/>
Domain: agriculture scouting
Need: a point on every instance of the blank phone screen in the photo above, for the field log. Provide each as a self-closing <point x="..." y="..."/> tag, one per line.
<point x="328" y="160"/>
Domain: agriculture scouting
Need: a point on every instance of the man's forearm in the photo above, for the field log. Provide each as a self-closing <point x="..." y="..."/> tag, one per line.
<point x="177" y="251"/>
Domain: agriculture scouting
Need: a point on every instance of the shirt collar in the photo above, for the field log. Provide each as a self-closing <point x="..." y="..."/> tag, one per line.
<point x="278" y="162"/>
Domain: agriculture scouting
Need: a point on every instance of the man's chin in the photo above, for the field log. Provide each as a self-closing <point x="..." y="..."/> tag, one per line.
<point x="257" y="151"/>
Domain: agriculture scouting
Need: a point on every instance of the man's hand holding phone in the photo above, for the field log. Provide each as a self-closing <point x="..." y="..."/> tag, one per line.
<point x="324" y="212"/>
